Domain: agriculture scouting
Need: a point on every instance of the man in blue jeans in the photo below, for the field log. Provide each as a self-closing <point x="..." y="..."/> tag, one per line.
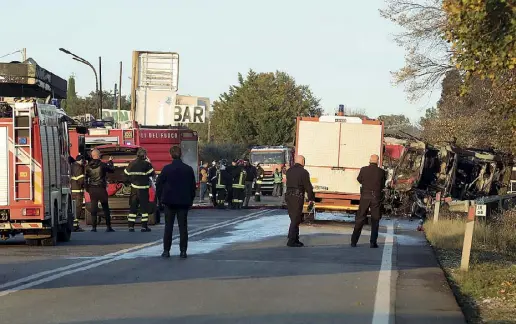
<point x="204" y="181"/>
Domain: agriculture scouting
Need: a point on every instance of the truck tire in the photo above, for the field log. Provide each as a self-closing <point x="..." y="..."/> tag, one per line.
<point x="32" y="242"/>
<point x="52" y="241"/>
<point x="65" y="234"/>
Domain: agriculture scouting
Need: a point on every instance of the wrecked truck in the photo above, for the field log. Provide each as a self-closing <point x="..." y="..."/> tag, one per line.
<point x="457" y="173"/>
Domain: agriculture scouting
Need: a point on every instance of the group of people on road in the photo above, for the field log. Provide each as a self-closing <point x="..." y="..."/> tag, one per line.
<point x="176" y="189"/>
<point x="231" y="183"/>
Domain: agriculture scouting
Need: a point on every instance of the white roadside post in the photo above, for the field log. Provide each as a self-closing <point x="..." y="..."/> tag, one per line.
<point x="474" y="210"/>
<point x="437" y="206"/>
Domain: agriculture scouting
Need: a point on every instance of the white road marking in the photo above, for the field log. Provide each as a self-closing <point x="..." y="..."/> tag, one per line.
<point x="382" y="303"/>
<point x="108" y="258"/>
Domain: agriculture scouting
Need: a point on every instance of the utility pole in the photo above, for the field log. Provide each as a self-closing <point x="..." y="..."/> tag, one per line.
<point x="100" y="86"/>
<point x="115" y="96"/>
<point x="120" y="94"/>
<point x="24" y="54"/>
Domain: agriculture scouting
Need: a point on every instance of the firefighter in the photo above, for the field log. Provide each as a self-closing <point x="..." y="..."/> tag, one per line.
<point x="238" y="185"/>
<point x="372" y="180"/>
<point x="298" y="183"/>
<point x="227" y="176"/>
<point x="95" y="180"/>
<point x="250" y="176"/>
<point x="220" y="187"/>
<point x="277" y="191"/>
<point x="260" y="173"/>
<point x="212" y="176"/>
<point x="139" y="172"/>
<point x="77" y="182"/>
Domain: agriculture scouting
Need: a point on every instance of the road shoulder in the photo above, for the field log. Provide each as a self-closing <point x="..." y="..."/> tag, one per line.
<point x="422" y="292"/>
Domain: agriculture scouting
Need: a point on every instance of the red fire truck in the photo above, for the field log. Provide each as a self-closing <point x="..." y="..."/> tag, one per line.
<point x="156" y="140"/>
<point x="35" y="193"/>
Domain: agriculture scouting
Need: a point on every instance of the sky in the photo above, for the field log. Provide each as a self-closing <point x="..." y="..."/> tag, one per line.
<point x="342" y="49"/>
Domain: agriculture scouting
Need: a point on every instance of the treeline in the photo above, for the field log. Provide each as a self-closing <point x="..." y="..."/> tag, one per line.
<point x="470" y="48"/>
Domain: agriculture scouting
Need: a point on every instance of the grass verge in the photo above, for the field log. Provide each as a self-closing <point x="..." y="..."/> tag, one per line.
<point x="487" y="292"/>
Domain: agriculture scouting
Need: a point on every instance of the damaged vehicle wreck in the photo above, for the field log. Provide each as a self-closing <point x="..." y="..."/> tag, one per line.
<point x="457" y="174"/>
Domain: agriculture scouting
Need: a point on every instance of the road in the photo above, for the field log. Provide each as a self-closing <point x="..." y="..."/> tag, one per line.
<point x="238" y="271"/>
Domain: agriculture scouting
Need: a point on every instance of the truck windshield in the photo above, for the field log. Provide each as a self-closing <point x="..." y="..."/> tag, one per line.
<point x="268" y="157"/>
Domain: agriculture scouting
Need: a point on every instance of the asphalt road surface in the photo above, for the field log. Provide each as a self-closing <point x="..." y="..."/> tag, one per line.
<point x="238" y="271"/>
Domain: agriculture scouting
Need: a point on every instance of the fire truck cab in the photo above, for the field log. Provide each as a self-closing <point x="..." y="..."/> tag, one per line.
<point x="271" y="158"/>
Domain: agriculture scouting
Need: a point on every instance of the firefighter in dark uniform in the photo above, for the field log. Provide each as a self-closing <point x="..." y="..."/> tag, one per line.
<point x="139" y="172"/>
<point x="250" y="176"/>
<point x="238" y="185"/>
<point x="95" y="179"/>
<point x="220" y="185"/>
<point x="372" y="179"/>
<point x="227" y="175"/>
<point x="77" y="182"/>
<point x="212" y="180"/>
<point x="298" y="183"/>
<point x="260" y="174"/>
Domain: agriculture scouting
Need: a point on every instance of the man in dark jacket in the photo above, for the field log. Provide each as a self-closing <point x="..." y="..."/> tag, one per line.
<point x="96" y="185"/>
<point x="298" y="183"/>
<point x="138" y="174"/>
<point x="372" y="179"/>
<point x="250" y="176"/>
<point x="77" y="183"/>
<point x="177" y="188"/>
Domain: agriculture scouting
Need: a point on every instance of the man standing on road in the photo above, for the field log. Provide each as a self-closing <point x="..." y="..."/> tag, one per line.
<point x="260" y="174"/>
<point x="250" y="176"/>
<point x="177" y="188"/>
<point x="139" y="172"/>
<point x="204" y="181"/>
<point x="96" y="184"/>
<point x="298" y="183"/>
<point x="77" y="183"/>
<point x="372" y="179"/>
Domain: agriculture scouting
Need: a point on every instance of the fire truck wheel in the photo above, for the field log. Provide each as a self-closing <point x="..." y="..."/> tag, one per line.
<point x="32" y="242"/>
<point x="65" y="234"/>
<point x="52" y="241"/>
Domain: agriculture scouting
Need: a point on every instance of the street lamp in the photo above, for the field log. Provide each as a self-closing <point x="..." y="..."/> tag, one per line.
<point x="80" y="59"/>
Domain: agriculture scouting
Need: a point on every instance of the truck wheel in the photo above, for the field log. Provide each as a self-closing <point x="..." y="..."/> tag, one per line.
<point x="52" y="241"/>
<point x="66" y="230"/>
<point x="32" y="242"/>
<point x="87" y="217"/>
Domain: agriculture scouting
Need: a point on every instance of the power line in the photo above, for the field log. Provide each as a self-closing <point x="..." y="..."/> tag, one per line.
<point x="18" y="51"/>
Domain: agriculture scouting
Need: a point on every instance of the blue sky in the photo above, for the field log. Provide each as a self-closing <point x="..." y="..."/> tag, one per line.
<point x="342" y="49"/>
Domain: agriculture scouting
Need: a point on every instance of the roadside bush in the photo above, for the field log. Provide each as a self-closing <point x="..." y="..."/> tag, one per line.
<point x="498" y="236"/>
<point x="214" y="152"/>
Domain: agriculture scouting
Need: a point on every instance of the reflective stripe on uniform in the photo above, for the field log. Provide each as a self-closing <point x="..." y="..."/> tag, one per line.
<point x="77" y="177"/>
<point x="138" y="173"/>
<point x="131" y="217"/>
<point x="76" y="190"/>
<point x="259" y="181"/>
<point x="145" y="217"/>
<point x="140" y="187"/>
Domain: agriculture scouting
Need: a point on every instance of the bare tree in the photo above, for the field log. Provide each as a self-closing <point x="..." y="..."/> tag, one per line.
<point x="427" y="53"/>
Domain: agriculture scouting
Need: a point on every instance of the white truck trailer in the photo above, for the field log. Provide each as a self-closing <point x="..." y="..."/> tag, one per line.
<point x="335" y="148"/>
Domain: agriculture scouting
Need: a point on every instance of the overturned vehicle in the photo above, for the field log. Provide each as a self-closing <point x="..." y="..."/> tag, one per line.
<point x="455" y="173"/>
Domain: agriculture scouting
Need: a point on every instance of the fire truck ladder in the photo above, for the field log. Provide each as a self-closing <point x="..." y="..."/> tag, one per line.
<point x="22" y="154"/>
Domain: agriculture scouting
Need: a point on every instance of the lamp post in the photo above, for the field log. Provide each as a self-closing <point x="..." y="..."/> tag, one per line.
<point x="80" y="59"/>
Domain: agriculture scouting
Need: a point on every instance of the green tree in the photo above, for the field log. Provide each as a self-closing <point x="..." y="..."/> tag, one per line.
<point x="483" y="36"/>
<point x="262" y="109"/>
<point x="468" y="118"/>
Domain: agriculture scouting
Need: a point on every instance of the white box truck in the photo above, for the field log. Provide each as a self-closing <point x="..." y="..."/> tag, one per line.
<point x="335" y="148"/>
